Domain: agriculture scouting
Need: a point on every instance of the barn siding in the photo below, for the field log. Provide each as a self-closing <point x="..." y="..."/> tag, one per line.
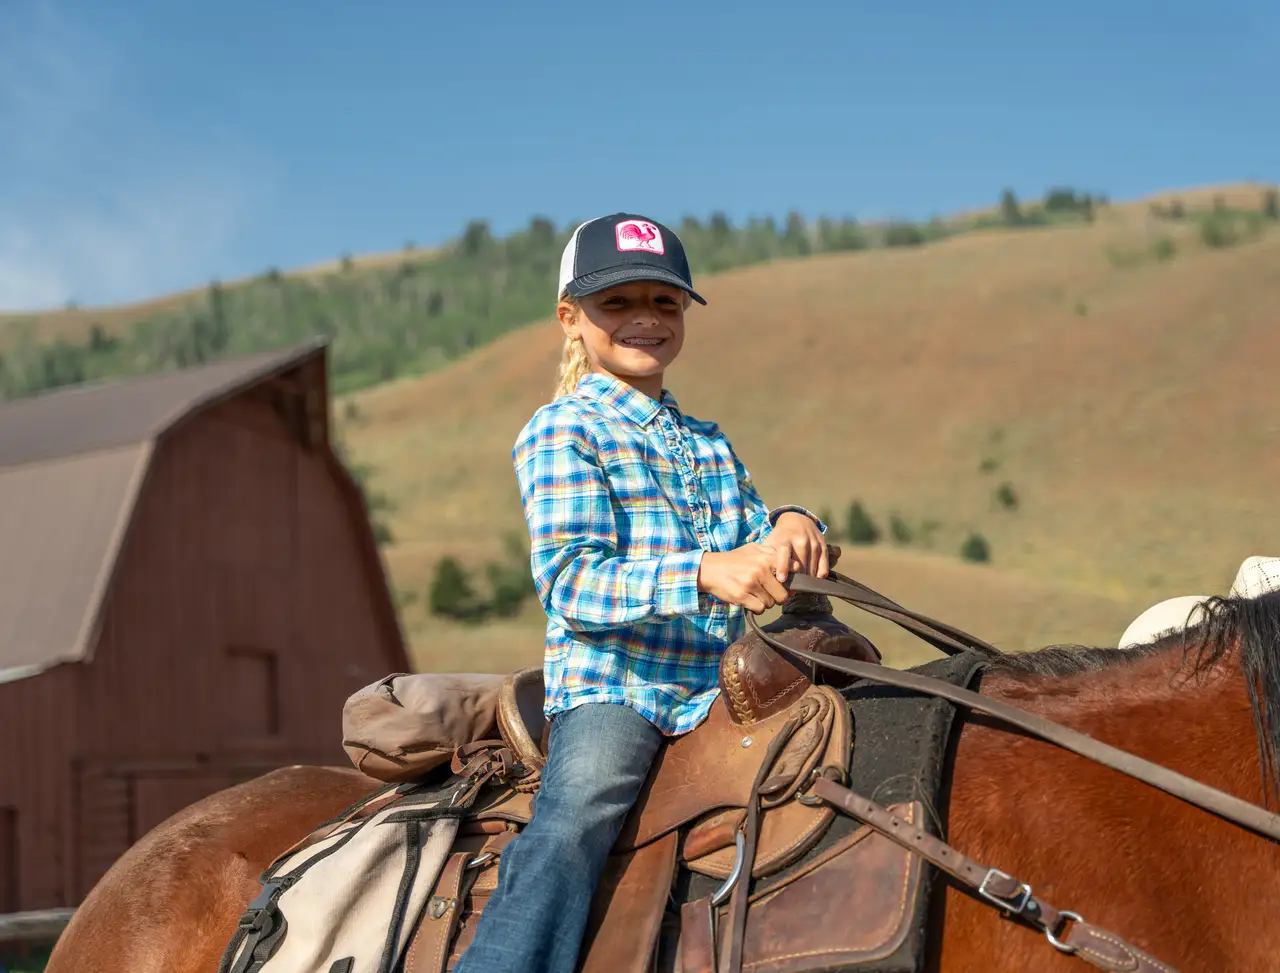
<point x="37" y="723"/>
<point x="243" y="547"/>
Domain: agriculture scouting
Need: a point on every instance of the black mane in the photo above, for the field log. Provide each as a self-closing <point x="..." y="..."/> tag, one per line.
<point x="1249" y="625"/>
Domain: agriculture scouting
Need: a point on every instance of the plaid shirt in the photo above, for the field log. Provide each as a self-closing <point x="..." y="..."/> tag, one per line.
<point x="622" y="496"/>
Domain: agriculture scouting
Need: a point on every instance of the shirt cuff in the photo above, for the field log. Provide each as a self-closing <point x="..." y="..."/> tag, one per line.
<point x="777" y="512"/>
<point x="675" y="590"/>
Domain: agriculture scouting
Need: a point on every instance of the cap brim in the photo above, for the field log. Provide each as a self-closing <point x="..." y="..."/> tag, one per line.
<point x="604" y="279"/>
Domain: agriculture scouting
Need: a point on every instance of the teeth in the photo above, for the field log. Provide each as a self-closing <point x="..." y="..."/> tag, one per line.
<point x="642" y="341"/>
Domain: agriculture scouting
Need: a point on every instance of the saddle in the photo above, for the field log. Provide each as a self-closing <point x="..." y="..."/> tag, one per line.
<point x="724" y="803"/>
<point x="732" y="858"/>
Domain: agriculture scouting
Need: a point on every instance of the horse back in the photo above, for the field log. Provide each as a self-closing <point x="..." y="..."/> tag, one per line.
<point x="194" y="872"/>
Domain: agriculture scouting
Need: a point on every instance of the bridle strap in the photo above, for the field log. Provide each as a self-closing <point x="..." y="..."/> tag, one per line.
<point x="946" y="638"/>
<point x="1242" y="813"/>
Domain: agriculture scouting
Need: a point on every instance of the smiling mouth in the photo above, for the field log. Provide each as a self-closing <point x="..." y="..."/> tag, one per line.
<point x="638" y="342"/>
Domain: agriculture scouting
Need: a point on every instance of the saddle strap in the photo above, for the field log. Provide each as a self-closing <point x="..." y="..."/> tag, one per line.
<point x="1224" y="805"/>
<point x="1103" y="949"/>
<point x="429" y="950"/>
<point x="737" y="920"/>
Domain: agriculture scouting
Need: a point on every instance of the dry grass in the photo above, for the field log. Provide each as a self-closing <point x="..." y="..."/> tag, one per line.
<point x="1132" y="409"/>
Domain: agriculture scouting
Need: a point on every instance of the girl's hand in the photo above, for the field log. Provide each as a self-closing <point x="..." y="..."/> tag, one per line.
<point x="798" y="545"/>
<point x="743" y="577"/>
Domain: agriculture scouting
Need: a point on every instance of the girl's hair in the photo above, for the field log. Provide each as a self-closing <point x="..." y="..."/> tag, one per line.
<point x="573" y="362"/>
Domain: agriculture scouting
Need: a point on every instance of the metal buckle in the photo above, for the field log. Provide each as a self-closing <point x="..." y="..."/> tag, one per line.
<point x="481" y="859"/>
<point x="1057" y="944"/>
<point x="830" y="772"/>
<point x="1001" y="903"/>
<point x="438" y="905"/>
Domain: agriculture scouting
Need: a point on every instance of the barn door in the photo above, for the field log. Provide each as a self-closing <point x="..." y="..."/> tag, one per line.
<point x="8" y="860"/>
<point x="104" y="826"/>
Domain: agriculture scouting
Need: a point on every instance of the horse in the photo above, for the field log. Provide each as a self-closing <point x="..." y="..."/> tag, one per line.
<point x="1195" y="891"/>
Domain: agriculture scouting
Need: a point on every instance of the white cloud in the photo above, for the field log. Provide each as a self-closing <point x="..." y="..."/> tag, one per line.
<point x="98" y="203"/>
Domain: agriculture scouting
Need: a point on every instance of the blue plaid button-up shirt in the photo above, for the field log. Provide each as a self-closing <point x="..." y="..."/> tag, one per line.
<point x="622" y="496"/>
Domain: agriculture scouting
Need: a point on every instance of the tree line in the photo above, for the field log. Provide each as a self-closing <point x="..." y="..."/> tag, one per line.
<point x="428" y="309"/>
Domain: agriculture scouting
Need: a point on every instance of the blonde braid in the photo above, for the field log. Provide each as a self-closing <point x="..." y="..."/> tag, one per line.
<point x="573" y="363"/>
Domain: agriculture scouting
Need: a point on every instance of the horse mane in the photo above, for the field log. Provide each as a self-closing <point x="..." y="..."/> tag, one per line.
<point x="1249" y="626"/>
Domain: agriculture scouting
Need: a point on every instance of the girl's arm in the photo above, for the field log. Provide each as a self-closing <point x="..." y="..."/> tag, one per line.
<point x="582" y="582"/>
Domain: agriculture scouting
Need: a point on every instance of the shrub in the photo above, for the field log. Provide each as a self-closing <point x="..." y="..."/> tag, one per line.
<point x="1218" y="230"/>
<point x="451" y="594"/>
<point x="976" y="549"/>
<point x="903" y="235"/>
<point x="1271" y="204"/>
<point x="1006" y="497"/>
<point x="509" y="589"/>
<point x="1010" y="214"/>
<point x="510" y="582"/>
<point x="860" y="529"/>
<point x="899" y="530"/>
<point x="1164" y="248"/>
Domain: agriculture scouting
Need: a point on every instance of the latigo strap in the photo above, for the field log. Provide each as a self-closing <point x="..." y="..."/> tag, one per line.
<point x="1103" y="949"/>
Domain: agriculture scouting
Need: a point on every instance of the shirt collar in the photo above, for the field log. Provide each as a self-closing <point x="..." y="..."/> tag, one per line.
<point x="629" y="402"/>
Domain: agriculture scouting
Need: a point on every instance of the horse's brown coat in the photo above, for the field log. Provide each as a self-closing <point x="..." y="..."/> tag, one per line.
<point x="1196" y="892"/>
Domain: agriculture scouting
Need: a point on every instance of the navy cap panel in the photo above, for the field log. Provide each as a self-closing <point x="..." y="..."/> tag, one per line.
<point x="626" y="247"/>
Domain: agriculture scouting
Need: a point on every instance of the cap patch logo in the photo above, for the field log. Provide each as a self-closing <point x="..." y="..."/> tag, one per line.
<point x="639" y="235"/>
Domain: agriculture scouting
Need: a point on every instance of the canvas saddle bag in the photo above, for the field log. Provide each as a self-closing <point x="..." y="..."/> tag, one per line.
<point x="349" y="897"/>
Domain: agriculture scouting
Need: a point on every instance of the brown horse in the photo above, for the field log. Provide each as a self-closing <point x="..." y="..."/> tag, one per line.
<point x="1193" y="890"/>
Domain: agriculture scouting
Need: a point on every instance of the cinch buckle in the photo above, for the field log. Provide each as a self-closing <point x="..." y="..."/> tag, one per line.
<point x="1018" y="907"/>
<point x="255" y="913"/>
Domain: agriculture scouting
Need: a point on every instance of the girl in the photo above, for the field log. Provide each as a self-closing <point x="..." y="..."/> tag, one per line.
<point x="648" y="542"/>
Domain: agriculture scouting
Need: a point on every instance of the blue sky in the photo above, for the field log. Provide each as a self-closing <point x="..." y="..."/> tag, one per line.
<point x="148" y="145"/>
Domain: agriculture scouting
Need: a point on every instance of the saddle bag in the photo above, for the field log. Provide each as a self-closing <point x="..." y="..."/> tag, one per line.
<point x="349" y="897"/>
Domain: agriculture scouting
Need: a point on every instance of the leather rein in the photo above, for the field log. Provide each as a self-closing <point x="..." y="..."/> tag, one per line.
<point x="952" y="641"/>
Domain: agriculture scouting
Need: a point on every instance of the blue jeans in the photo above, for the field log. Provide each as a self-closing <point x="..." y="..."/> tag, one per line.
<point x="598" y="757"/>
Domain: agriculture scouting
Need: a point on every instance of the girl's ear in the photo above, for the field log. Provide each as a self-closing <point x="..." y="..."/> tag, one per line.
<point x="567" y="313"/>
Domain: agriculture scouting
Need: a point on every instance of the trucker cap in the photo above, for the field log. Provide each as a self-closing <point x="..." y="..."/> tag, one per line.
<point x="619" y="249"/>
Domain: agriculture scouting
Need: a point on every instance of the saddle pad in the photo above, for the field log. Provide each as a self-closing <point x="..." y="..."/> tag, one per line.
<point x="899" y="757"/>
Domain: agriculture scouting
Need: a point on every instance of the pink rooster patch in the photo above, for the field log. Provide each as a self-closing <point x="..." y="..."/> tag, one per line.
<point x="639" y="235"/>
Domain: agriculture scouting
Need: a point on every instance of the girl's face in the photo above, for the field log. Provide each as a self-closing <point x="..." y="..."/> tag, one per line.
<point x="632" y="331"/>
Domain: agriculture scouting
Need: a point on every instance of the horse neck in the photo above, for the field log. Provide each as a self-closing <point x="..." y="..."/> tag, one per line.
<point x="1147" y="865"/>
<point x="1155" y="706"/>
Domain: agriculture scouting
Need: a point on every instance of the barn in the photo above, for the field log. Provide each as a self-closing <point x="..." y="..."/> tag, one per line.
<point x="190" y="590"/>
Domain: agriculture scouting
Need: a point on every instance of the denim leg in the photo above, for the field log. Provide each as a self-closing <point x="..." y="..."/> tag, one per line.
<point x="599" y="755"/>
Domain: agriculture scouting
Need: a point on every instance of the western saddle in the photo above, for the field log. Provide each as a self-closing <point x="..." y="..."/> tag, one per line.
<point x="726" y="801"/>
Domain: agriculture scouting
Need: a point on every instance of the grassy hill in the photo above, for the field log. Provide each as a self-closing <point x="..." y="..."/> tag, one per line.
<point x="393" y="315"/>
<point x="1093" y="396"/>
<point x="1116" y="375"/>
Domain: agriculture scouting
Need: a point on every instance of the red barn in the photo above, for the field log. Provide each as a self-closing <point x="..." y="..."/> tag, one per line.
<point x="189" y="590"/>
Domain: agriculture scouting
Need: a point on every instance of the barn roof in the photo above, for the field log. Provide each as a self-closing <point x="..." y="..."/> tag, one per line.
<point x="71" y="465"/>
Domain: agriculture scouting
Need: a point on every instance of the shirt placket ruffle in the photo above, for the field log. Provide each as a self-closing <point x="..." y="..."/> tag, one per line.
<point x="699" y="504"/>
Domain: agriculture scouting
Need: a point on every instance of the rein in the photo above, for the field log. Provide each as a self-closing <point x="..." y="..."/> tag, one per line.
<point x="952" y="640"/>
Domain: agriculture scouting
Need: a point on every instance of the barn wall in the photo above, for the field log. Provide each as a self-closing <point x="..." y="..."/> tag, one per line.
<point x="37" y="724"/>
<point x="240" y="619"/>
